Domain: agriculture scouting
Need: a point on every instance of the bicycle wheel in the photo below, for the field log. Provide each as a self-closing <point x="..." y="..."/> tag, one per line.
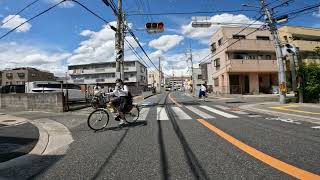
<point x="98" y="119"/>
<point x="133" y="115"/>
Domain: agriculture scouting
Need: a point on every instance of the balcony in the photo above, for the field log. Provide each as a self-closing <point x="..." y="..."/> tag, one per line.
<point x="306" y="45"/>
<point x="250" y="45"/>
<point x="92" y="71"/>
<point x="237" y="65"/>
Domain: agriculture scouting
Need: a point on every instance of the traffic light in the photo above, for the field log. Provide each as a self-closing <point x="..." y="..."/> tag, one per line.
<point x="119" y="55"/>
<point x="154" y="27"/>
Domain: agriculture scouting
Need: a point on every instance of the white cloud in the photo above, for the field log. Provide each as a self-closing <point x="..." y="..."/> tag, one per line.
<point x="99" y="47"/>
<point x="203" y="34"/>
<point x="317" y="14"/>
<point x="166" y="42"/>
<point x="14" y="22"/>
<point x="67" y="4"/>
<point x="17" y="55"/>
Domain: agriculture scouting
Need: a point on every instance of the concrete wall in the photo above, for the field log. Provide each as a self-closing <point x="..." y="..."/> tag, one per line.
<point x="32" y="102"/>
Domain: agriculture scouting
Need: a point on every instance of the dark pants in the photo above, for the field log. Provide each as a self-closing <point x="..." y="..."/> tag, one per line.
<point x="122" y="103"/>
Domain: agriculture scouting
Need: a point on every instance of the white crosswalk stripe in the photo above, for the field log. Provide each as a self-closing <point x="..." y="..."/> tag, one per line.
<point x="240" y="112"/>
<point x="222" y="107"/>
<point x="199" y="112"/>
<point x="230" y="109"/>
<point x="221" y="113"/>
<point x="162" y="114"/>
<point x="181" y="114"/>
<point x="143" y="114"/>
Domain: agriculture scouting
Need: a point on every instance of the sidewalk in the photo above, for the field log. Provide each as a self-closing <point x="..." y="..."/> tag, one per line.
<point x="17" y="137"/>
<point x="304" y="111"/>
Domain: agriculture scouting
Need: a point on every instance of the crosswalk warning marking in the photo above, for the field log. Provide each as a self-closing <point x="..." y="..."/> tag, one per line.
<point x="162" y="114"/>
<point x="199" y="112"/>
<point x="181" y="114"/>
<point x="221" y="113"/>
<point x="143" y="114"/>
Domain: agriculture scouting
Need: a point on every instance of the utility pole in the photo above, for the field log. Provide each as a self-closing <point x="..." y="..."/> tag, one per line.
<point x="274" y="32"/>
<point x="159" y="74"/>
<point x="120" y="43"/>
<point x="190" y="58"/>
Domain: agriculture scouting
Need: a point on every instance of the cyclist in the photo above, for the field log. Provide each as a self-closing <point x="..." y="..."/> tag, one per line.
<point x="123" y="100"/>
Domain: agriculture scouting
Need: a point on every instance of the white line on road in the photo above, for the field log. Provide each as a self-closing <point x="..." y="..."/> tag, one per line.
<point x="181" y="114"/>
<point x="315" y="127"/>
<point x="221" y="107"/>
<point x="143" y="114"/>
<point x="200" y="113"/>
<point x="221" y="113"/>
<point x="240" y="112"/>
<point x="162" y="114"/>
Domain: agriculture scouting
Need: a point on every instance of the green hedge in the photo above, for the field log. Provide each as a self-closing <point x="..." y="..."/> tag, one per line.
<point x="311" y="74"/>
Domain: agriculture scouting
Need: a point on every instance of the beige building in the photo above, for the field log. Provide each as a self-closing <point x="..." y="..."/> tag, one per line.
<point x="19" y="76"/>
<point x="305" y="39"/>
<point x="245" y="67"/>
<point x="153" y="78"/>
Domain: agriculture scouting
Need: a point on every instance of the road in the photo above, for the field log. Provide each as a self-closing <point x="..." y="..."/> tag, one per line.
<point x="178" y="137"/>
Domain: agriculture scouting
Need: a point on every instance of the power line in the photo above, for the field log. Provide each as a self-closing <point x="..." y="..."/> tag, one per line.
<point x="301" y="10"/>
<point x="19" y="12"/>
<point x="185" y="13"/>
<point x="135" y="52"/>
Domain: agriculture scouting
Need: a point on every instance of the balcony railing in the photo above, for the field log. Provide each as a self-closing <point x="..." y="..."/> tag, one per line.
<point x="238" y="65"/>
<point x="250" y="45"/>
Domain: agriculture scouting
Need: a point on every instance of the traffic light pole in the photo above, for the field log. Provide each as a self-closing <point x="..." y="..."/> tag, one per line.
<point x="274" y="32"/>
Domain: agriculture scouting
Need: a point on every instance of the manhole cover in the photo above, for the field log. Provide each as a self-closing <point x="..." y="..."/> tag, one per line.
<point x="9" y="121"/>
<point x="8" y="148"/>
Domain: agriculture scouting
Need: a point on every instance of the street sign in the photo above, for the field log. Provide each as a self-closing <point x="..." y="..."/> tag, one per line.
<point x="200" y="21"/>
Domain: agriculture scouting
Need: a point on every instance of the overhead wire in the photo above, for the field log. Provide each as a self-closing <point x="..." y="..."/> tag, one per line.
<point x="186" y="13"/>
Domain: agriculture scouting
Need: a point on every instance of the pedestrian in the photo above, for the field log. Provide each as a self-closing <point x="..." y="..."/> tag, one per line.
<point x="202" y="93"/>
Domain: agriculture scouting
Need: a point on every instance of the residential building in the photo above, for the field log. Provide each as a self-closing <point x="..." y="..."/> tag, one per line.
<point x="153" y="78"/>
<point x="19" y="76"/>
<point x="248" y="66"/>
<point x="207" y="75"/>
<point x="197" y="77"/>
<point x="304" y="38"/>
<point x="104" y="74"/>
<point x="0" y="78"/>
<point x="177" y="82"/>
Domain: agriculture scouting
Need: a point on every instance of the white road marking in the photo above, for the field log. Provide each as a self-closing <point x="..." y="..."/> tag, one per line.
<point x="143" y="114"/>
<point x="240" y="112"/>
<point x="222" y="107"/>
<point x="221" y="113"/>
<point x="255" y="115"/>
<point x="162" y="114"/>
<point x="284" y="120"/>
<point x="230" y="109"/>
<point x="181" y="114"/>
<point x="200" y="113"/>
<point x="315" y="127"/>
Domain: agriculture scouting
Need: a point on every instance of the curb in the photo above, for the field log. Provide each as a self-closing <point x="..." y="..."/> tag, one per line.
<point x="38" y="149"/>
<point x="250" y="107"/>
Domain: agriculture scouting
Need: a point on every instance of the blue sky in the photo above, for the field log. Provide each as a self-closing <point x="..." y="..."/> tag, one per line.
<point x="68" y="34"/>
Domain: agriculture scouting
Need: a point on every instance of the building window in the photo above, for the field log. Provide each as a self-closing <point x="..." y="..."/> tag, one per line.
<point x="268" y="57"/>
<point x="217" y="63"/>
<point x="213" y="47"/>
<point x="238" y="36"/>
<point x="220" y="42"/>
<point x="199" y="76"/>
<point x="260" y="57"/>
<point x="21" y="75"/>
<point x="33" y="74"/>
<point x="285" y="39"/>
<point x="216" y="82"/>
<point x="9" y="75"/>
<point x="263" y="38"/>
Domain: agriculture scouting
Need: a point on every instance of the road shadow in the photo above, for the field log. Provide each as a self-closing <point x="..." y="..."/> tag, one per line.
<point x="163" y="157"/>
<point x="194" y="164"/>
<point x="113" y="152"/>
<point x="124" y="127"/>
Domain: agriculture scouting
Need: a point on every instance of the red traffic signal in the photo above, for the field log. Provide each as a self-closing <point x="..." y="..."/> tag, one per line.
<point x="154" y="27"/>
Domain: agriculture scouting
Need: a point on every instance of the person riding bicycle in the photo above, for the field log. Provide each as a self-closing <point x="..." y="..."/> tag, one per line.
<point x="123" y="100"/>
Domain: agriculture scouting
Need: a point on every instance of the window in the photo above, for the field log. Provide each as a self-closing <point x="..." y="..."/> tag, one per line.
<point x="21" y="75"/>
<point x="216" y="82"/>
<point x="217" y="63"/>
<point x="263" y="38"/>
<point x="9" y="75"/>
<point x="220" y="42"/>
<point x="238" y="36"/>
<point x="213" y="47"/>
<point x="33" y="75"/>
<point x="199" y="76"/>
<point x="285" y="38"/>
<point x="260" y="57"/>
<point x="268" y="57"/>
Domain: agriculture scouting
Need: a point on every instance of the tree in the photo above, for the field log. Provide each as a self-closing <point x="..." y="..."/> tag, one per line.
<point x="311" y="80"/>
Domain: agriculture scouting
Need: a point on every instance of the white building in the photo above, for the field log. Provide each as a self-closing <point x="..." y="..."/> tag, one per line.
<point x="104" y="74"/>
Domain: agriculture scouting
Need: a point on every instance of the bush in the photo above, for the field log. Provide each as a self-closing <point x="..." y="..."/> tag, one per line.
<point x="311" y="77"/>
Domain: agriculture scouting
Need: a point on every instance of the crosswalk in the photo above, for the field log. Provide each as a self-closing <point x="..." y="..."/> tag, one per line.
<point x="190" y="112"/>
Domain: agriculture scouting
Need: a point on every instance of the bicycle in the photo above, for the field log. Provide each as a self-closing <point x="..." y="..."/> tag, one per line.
<point x="99" y="118"/>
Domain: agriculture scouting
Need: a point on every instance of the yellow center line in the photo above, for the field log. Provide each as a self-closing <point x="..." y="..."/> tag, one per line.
<point x="174" y="101"/>
<point x="285" y="108"/>
<point x="273" y="162"/>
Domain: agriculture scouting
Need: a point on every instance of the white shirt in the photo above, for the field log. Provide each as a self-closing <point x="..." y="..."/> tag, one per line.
<point x="203" y="88"/>
<point x="120" y="91"/>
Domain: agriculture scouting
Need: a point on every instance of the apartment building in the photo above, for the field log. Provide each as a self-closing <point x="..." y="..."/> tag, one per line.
<point x="153" y="78"/>
<point x="104" y="74"/>
<point x="248" y="66"/>
<point x="206" y="75"/>
<point x="177" y="82"/>
<point x="19" y="76"/>
<point x="304" y="38"/>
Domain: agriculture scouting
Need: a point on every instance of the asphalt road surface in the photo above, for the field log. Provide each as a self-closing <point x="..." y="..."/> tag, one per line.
<point x="178" y="137"/>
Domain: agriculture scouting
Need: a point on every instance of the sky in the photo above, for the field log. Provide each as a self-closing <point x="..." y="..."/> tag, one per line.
<point x="68" y="34"/>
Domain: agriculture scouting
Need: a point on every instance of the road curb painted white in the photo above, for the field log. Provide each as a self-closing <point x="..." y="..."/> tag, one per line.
<point x="250" y="107"/>
<point x="52" y="137"/>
